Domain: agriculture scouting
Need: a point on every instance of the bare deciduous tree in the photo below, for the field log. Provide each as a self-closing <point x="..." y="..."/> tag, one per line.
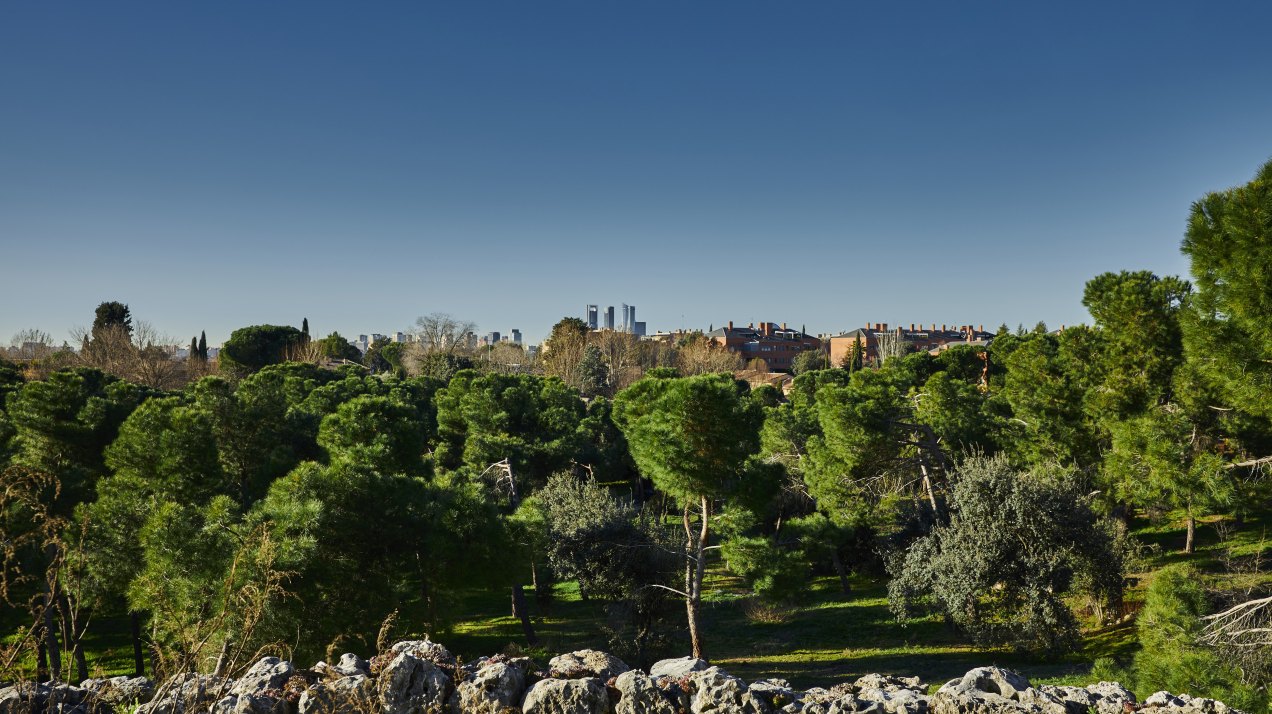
<point x="143" y="356"/>
<point x="31" y="344"/>
<point x="700" y="355"/>
<point x="439" y="332"/>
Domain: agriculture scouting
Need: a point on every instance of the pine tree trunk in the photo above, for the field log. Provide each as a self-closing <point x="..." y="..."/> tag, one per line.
<point x="1192" y="533"/>
<point x="50" y="637"/>
<point x="41" y="656"/>
<point x="139" y="659"/>
<point x="695" y="568"/>
<point x="520" y="610"/>
<point x="73" y="627"/>
<point x="841" y="571"/>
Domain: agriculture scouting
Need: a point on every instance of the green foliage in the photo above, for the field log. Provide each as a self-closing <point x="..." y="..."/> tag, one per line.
<point x="353" y="535"/>
<point x="810" y="361"/>
<point x="252" y="348"/>
<point x="1046" y="385"/>
<point x="1138" y="318"/>
<point x="377" y="432"/>
<point x="1016" y="545"/>
<point x="531" y="421"/>
<point x="205" y="579"/>
<point x="597" y="540"/>
<point x="1160" y="458"/>
<point x="1170" y="657"/>
<point x="334" y="346"/>
<point x="112" y="315"/>
<point x="64" y="423"/>
<point x="690" y="436"/>
<point x="593" y="372"/>
<point x="774" y="572"/>
<point x="437" y="365"/>
<point x="1227" y="334"/>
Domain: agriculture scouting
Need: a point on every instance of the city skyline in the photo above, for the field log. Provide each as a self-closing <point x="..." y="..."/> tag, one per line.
<point x="820" y="164"/>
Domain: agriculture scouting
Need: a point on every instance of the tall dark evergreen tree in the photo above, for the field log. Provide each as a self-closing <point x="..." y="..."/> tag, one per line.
<point x="112" y="314"/>
<point x="194" y="349"/>
<point x="203" y="346"/>
<point x="304" y="328"/>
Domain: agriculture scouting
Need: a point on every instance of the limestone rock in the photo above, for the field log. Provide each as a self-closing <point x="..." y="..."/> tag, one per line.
<point x="640" y="694"/>
<point x="993" y="690"/>
<point x="715" y="691"/>
<point x="777" y="693"/>
<point x="677" y="668"/>
<point x="424" y="649"/>
<point x="567" y="696"/>
<point x="351" y="665"/>
<point x="267" y="673"/>
<point x="587" y="663"/>
<point x="346" y="695"/>
<point x="493" y="689"/>
<point x="247" y="704"/>
<point x="185" y="692"/>
<point x="1111" y="697"/>
<point x="411" y="685"/>
<point x="120" y="691"/>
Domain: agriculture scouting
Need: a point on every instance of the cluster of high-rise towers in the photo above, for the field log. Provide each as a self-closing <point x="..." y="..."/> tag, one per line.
<point x="593" y="317"/>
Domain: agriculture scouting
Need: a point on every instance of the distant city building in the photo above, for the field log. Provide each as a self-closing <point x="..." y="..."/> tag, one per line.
<point x="638" y="329"/>
<point x="590" y="316"/>
<point x="491" y="338"/>
<point x="516" y="336"/>
<point x="777" y="345"/>
<point x="918" y="338"/>
<point x="399" y="337"/>
<point x="609" y="317"/>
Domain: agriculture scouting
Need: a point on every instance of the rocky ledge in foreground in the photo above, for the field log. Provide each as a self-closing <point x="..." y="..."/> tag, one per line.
<point x="421" y="677"/>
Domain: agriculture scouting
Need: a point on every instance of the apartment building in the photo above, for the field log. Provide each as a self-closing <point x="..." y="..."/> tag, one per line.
<point x="776" y="344"/>
<point x="876" y="336"/>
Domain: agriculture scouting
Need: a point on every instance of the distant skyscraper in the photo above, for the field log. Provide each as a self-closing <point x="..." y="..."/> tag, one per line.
<point x="516" y="336"/>
<point x="627" y="326"/>
<point x="592" y="311"/>
<point x="630" y="320"/>
<point x="638" y="329"/>
<point x="609" y="317"/>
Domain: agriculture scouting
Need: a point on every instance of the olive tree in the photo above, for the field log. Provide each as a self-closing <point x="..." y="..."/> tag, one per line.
<point x="1016" y="545"/>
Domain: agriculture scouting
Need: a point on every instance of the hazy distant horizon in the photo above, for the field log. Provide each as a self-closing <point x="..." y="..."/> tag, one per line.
<point x="818" y="164"/>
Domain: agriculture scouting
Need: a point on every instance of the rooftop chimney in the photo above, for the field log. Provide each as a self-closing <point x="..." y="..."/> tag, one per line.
<point x="911" y="327"/>
<point x="730" y="324"/>
<point x="980" y="328"/>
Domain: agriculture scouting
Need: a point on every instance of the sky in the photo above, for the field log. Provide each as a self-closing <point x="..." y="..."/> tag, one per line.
<point x="825" y="164"/>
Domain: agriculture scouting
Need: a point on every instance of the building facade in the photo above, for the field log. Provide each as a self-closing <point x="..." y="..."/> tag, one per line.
<point x="877" y="338"/>
<point x="776" y="344"/>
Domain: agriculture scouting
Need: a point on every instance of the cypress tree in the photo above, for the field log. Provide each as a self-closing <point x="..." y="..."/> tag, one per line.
<point x="304" y="327"/>
<point x="203" y="346"/>
<point x="194" y="349"/>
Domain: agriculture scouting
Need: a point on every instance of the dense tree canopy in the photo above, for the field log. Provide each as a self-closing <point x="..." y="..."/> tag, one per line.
<point x="252" y="348"/>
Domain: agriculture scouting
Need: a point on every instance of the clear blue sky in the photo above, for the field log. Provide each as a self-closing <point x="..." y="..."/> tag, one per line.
<point x="222" y="164"/>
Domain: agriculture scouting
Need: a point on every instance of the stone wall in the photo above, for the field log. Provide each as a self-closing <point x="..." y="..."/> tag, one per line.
<point x="421" y="677"/>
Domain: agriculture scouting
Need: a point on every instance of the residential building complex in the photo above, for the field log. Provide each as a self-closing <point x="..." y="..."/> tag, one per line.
<point x="876" y="337"/>
<point x="777" y="345"/>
